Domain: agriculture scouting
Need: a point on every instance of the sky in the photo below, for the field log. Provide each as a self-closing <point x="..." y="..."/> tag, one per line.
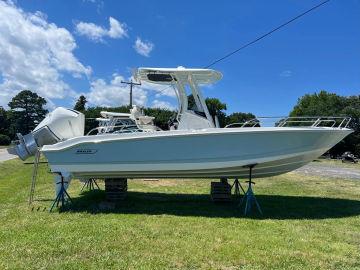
<point x="62" y="49"/>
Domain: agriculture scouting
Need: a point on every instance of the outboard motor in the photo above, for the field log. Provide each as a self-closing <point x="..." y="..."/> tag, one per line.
<point x="61" y="124"/>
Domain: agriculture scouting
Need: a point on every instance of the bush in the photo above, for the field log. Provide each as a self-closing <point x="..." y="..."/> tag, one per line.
<point x="4" y="140"/>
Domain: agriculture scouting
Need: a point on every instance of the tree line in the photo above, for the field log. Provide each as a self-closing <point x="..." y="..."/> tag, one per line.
<point x="27" y="109"/>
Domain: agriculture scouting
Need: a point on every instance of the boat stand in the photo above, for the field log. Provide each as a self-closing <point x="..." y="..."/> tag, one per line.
<point x="249" y="197"/>
<point x="90" y="184"/>
<point x="237" y="186"/>
<point x="62" y="197"/>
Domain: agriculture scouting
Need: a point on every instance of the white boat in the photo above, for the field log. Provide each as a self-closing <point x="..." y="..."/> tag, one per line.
<point x="195" y="147"/>
<point x="191" y="153"/>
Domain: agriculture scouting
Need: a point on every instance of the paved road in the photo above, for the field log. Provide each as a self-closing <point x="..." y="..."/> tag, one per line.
<point x="329" y="170"/>
<point x="4" y="155"/>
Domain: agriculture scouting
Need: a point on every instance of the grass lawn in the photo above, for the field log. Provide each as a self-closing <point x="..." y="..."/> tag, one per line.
<point x="308" y="223"/>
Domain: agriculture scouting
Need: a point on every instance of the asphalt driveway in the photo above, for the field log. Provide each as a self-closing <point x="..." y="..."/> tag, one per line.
<point x="4" y="155"/>
<point x="330" y="170"/>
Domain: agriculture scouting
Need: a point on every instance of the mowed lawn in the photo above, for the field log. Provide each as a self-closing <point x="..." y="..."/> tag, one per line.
<point x="308" y="223"/>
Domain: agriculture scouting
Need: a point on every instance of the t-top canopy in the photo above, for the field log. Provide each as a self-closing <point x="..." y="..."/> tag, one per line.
<point x="168" y="75"/>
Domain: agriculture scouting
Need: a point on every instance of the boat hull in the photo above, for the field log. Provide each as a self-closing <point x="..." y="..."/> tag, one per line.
<point x="210" y="153"/>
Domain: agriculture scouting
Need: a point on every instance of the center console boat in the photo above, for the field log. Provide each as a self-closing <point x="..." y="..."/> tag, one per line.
<point x="194" y="147"/>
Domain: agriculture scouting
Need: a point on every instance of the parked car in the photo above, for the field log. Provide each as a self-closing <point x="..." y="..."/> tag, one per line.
<point x="349" y="157"/>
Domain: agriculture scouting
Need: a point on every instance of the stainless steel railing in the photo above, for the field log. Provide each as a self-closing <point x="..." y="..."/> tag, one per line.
<point x="297" y="121"/>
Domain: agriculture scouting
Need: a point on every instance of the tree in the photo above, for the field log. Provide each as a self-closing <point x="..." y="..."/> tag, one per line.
<point x="319" y="104"/>
<point x="330" y="104"/>
<point x="4" y="122"/>
<point x="215" y="107"/>
<point x="4" y="139"/>
<point x="80" y="104"/>
<point x="162" y="116"/>
<point x="26" y="111"/>
<point x="239" y="117"/>
<point x="92" y="113"/>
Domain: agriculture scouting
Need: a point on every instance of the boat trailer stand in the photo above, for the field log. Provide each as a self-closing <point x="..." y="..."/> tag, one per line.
<point x="62" y="197"/>
<point x="90" y="184"/>
<point x="249" y="197"/>
<point x="237" y="186"/>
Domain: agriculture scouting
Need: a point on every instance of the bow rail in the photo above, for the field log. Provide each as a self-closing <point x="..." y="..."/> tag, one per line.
<point x="295" y="121"/>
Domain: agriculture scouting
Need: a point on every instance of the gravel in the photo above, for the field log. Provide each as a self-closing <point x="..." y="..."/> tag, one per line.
<point x="329" y="170"/>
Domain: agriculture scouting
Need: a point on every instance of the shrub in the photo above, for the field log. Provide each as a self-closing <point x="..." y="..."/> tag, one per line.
<point x="4" y="139"/>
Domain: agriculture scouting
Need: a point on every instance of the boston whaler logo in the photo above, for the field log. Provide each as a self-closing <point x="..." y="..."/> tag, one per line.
<point x="85" y="151"/>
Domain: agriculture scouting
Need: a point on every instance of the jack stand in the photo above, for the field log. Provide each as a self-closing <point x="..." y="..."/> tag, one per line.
<point x="90" y="184"/>
<point x="237" y="186"/>
<point x="249" y="196"/>
<point x="62" y="196"/>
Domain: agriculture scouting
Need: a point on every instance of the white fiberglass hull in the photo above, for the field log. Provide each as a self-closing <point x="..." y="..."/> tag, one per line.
<point x="210" y="153"/>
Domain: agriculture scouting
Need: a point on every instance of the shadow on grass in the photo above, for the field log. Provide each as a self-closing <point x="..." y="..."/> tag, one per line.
<point x="273" y="206"/>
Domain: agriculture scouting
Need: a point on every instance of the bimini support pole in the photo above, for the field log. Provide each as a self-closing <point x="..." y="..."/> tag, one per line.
<point x="62" y="196"/>
<point x="198" y="96"/>
<point x="90" y="184"/>
<point x="249" y="196"/>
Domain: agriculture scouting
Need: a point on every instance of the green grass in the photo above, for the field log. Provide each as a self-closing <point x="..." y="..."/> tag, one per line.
<point x="308" y="223"/>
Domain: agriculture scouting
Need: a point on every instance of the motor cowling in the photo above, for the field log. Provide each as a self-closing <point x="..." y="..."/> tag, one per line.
<point x="59" y="125"/>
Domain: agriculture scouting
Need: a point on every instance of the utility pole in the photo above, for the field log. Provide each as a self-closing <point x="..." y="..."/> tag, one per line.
<point x="131" y="83"/>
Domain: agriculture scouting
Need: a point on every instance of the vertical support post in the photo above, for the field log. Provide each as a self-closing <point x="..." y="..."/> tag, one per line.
<point x="201" y="99"/>
<point x="249" y="197"/>
<point x="62" y="196"/>
<point x="131" y="83"/>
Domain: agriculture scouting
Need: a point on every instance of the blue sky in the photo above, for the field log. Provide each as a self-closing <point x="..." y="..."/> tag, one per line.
<point x="320" y="51"/>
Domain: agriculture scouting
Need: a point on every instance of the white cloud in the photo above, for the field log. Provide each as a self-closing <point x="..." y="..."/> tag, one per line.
<point x="34" y="54"/>
<point x="286" y="73"/>
<point x="91" y="30"/>
<point x="98" y="3"/>
<point x="117" y="30"/>
<point x="114" y="93"/>
<point x="143" y="48"/>
<point x="162" y="104"/>
<point x="97" y="33"/>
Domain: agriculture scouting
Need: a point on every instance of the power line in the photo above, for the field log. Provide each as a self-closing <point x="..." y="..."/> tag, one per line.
<point x="267" y="34"/>
<point x="258" y="38"/>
